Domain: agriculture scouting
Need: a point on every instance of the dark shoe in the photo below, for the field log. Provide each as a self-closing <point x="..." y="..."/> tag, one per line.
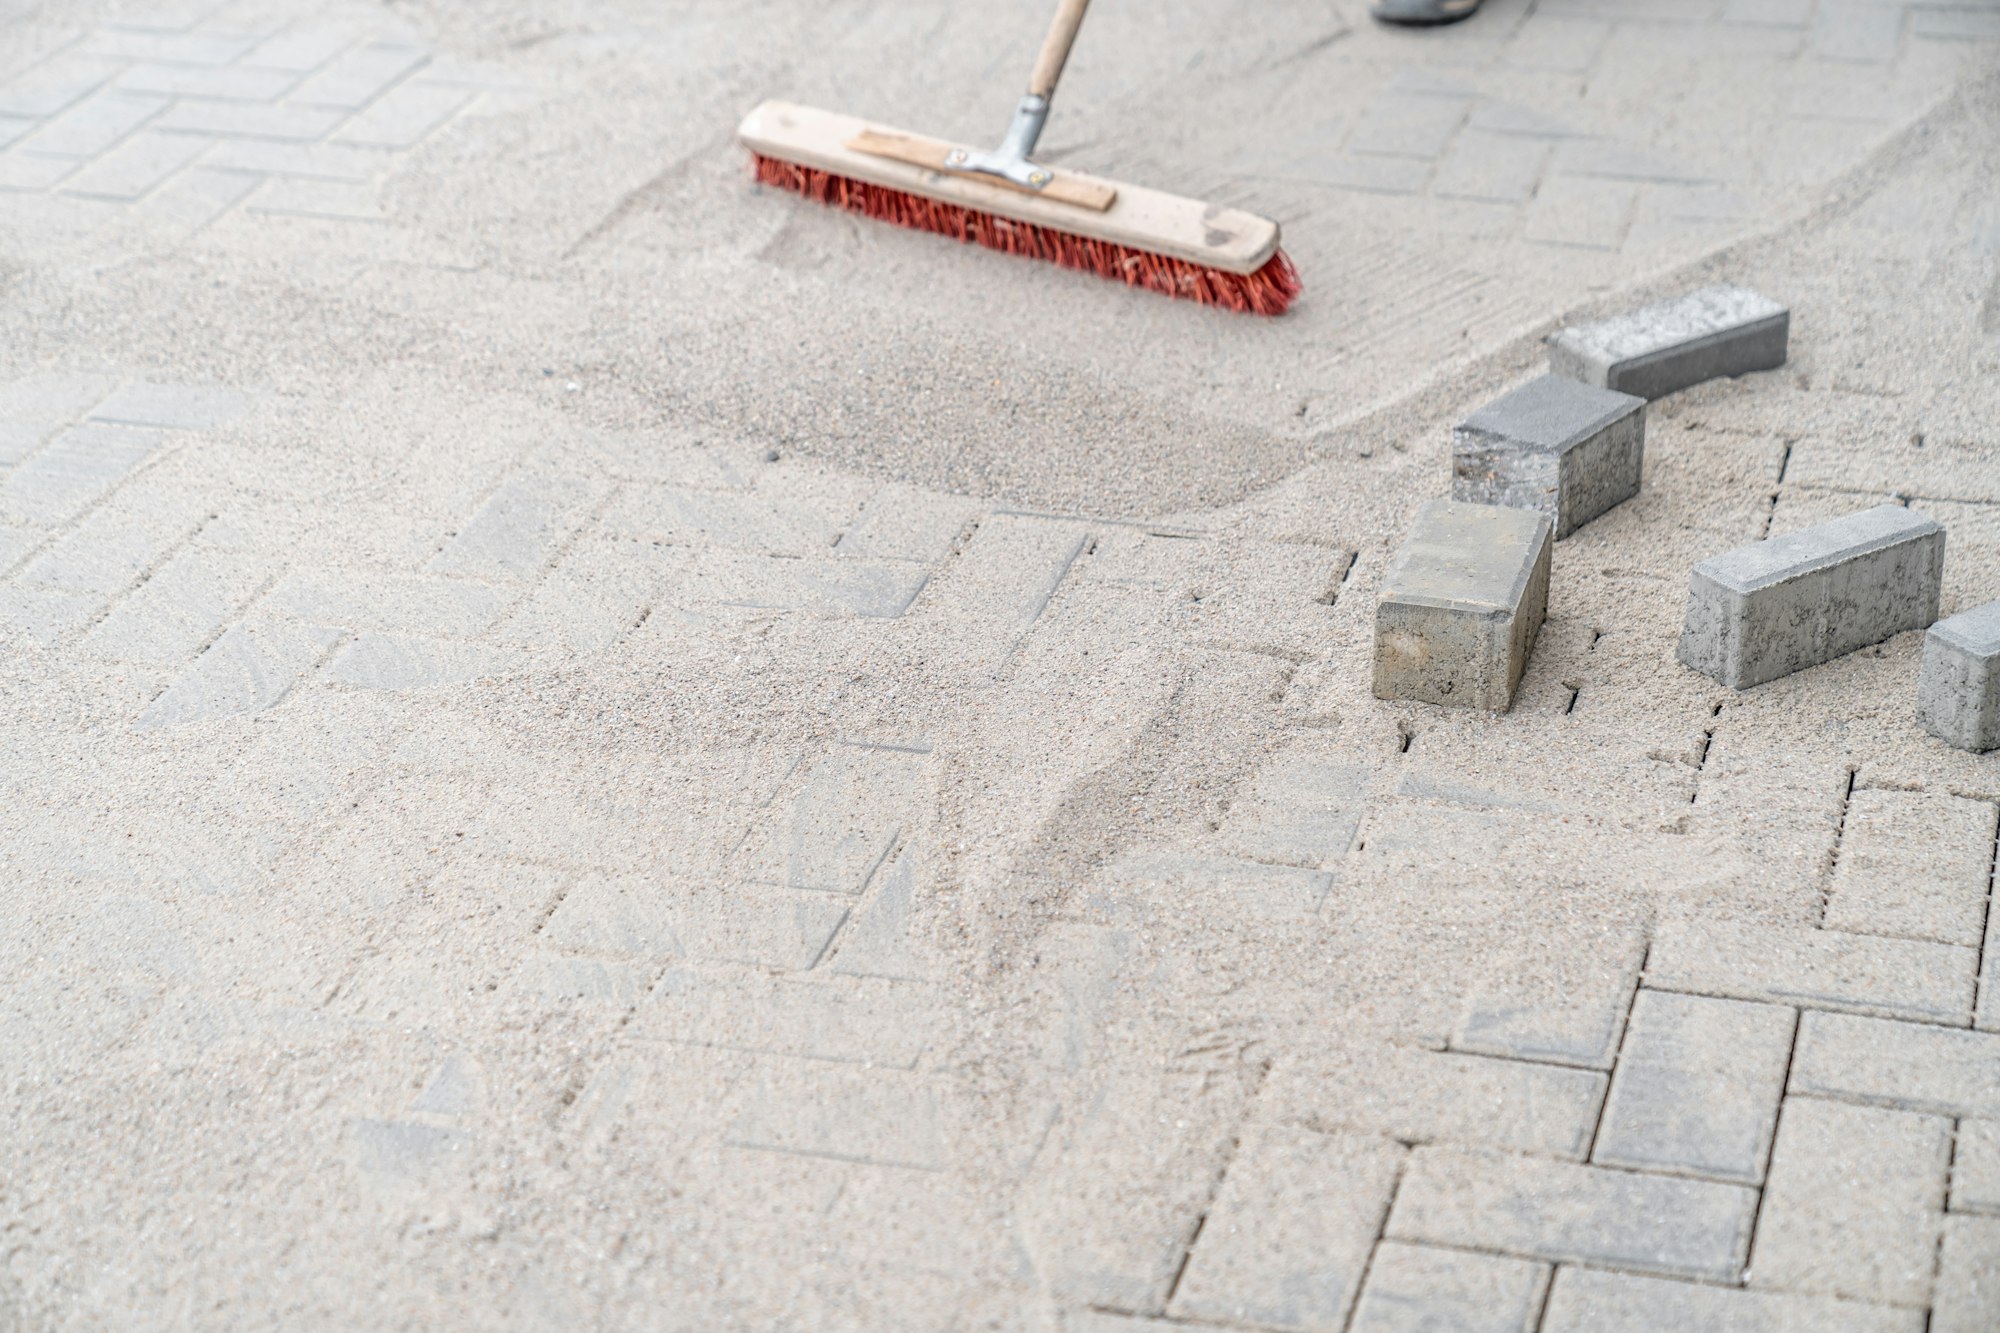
<point x="1424" y="13"/>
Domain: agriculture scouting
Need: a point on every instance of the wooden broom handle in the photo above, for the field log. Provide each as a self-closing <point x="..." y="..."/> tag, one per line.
<point x="1055" y="48"/>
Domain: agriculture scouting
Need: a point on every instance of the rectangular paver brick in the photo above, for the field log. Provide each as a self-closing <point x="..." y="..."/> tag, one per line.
<point x="1502" y="167"/>
<point x="353" y="78"/>
<point x="1418" y="1289"/>
<point x="1422" y="1096"/>
<point x="136" y="165"/>
<point x="645" y="915"/>
<point x="171" y="406"/>
<point x="1696" y="1088"/>
<point x="180" y="609"/>
<point x="1958" y="688"/>
<point x="880" y="1023"/>
<point x="1670" y="345"/>
<point x="1794" y="601"/>
<point x="1290" y="1231"/>
<point x="865" y="588"/>
<point x="368" y="600"/>
<point x="856" y="802"/>
<point x="318" y="161"/>
<point x="1580" y="211"/>
<point x="343" y="201"/>
<point x="196" y="120"/>
<point x="1149" y="883"/>
<point x="1574" y="1015"/>
<point x="92" y="125"/>
<point x="1569" y="450"/>
<point x="1951" y="1071"/>
<point x="403" y="117"/>
<point x="1819" y="969"/>
<point x="1968" y="1280"/>
<point x="1586" y="1301"/>
<point x="377" y="661"/>
<point x="1300" y="811"/>
<point x="77" y="467"/>
<point x="228" y="83"/>
<point x="299" y="50"/>
<point x="1916" y="864"/>
<point x="883" y="1116"/>
<point x="46" y="88"/>
<point x="31" y="410"/>
<point x="43" y="615"/>
<point x="117" y="542"/>
<point x="1406" y="125"/>
<point x="249" y="669"/>
<point x="1853" y="1202"/>
<point x="520" y="528"/>
<point x="183" y="48"/>
<point x="1975" y="1168"/>
<point x="1561" y="1211"/>
<point x="878" y="944"/>
<point x="1460" y="607"/>
<point x="904" y="523"/>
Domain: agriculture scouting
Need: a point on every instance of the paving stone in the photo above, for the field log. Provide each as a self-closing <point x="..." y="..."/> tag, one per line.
<point x="115" y="543"/>
<point x="1586" y="1301"/>
<point x="46" y="88"/>
<point x="1110" y="1227"/>
<point x="1502" y="167"/>
<point x="904" y="523"/>
<point x="92" y="125"/>
<point x="679" y="516"/>
<point x="1000" y="584"/>
<point x="1401" y="125"/>
<point x="884" y="1024"/>
<point x="1776" y="607"/>
<point x="409" y="662"/>
<point x="1560" y="1211"/>
<point x="520" y="528"/>
<point x="231" y="83"/>
<point x="1417" y="1289"/>
<point x="1572" y="1017"/>
<point x="31" y="410"/>
<point x="321" y="161"/>
<point x="1580" y="212"/>
<point x="639" y="914"/>
<point x="15" y="543"/>
<point x="1668" y="346"/>
<point x="403" y="117"/>
<point x="195" y="120"/>
<point x="597" y="593"/>
<point x="370" y="600"/>
<point x="1915" y="1066"/>
<point x="356" y="76"/>
<point x="825" y="587"/>
<point x="1915" y="864"/>
<point x="1968" y="1279"/>
<point x="1272" y="597"/>
<point x="1300" y="811"/>
<point x="888" y="1117"/>
<point x="78" y="467"/>
<point x="1419" y="1096"/>
<point x="181" y="48"/>
<point x="300" y="50"/>
<point x="1819" y="969"/>
<point x="1696" y="1088"/>
<point x="1566" y="449"/>
<point x="249" y="669"/>
<point x="1461" y="605"/>
<point x="1975" y="1167"/>
<point x="1853" y="1201"/>
<point x="1290" y="1231"/>
<point x="179" y="610"/>
<point x="855" y="804"/>
<point x="43" y="615"/>
<point x="1958" y="688"/>
<point x="1149" y="883"/>
<point x="878" y="943"/>
<point x="136" y="165"/>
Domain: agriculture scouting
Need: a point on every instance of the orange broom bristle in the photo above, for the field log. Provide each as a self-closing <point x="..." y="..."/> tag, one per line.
<point x="1268" y="291"/>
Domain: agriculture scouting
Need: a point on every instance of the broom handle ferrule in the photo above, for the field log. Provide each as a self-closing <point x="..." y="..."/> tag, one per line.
<point x="1055" y="48"/>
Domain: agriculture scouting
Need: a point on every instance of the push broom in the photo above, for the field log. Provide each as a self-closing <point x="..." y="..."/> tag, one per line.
<point x="1006" y="201"/>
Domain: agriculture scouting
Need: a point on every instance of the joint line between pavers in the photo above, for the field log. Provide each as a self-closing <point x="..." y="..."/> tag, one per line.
<point x="1839" y="845"/>
<point x="1375" y="1247"/>
<point x="1624" y="1036"/>
<point x="845" y="926"/>
<point x="1763" y="1186"/>
<point x="1986" y="923"/>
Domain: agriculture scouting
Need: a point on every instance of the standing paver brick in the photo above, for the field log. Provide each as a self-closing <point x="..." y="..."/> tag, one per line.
<point x="1914" y="864"/>
<point x="1586" y="1301"/>
<point x="1418" y="1289"/>
<point x="1958" y="686"/>
<point x="1569" y="450"/>
<point x="1697" y="1087"/>
<point x="1853" y="1203"/>
<point x="1559" y="1211"/>
<point x="1822" y="969"/>
<point x="1947" y="1070"/>
<point x="1775" y="607"/>
<point x="1968" y="1280"/>
<point x="1288" y="1235"/>
<point x="1461" y="605"/>
<point x="1656" y="350"/>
